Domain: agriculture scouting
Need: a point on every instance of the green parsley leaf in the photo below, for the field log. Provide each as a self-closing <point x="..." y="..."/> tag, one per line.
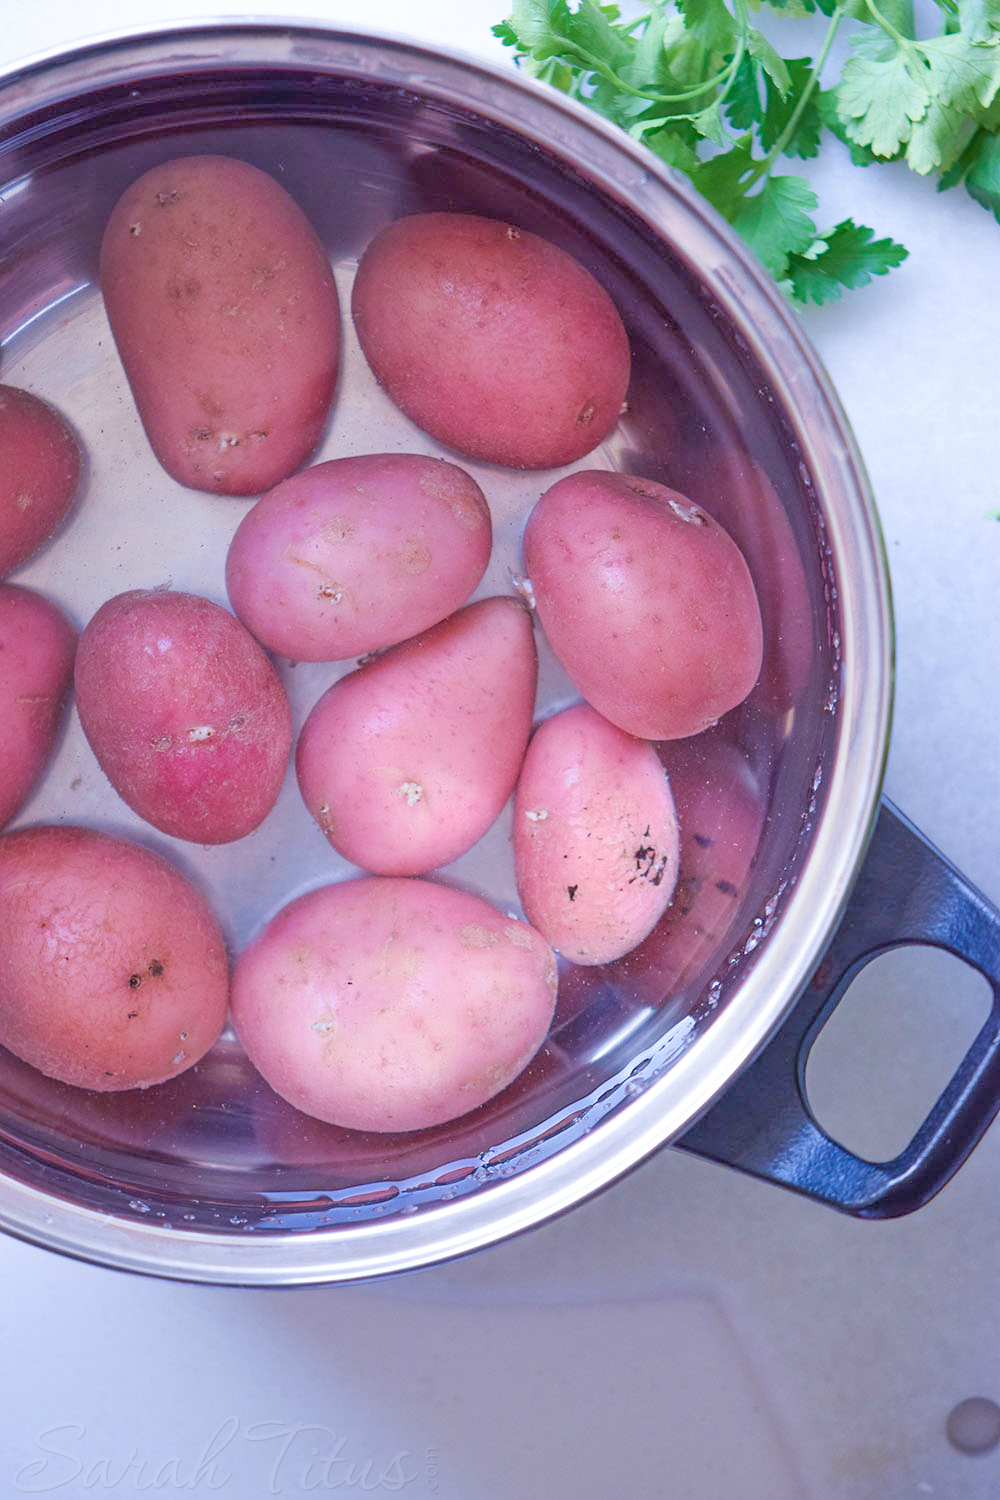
<point x="963" y="79"/>
<point x="709" y="124"/>
<point x="744" y="105"/>
<point x="722" y="179"/>
<point x="712" y="23"/>
<point x="674" y="147"/>
<point x="982" y="178"/>
<point x="883" y="90"/>
<point x="773" y="221"/>
<point x="780" y="109"/>
<point x="848" y="256"/>
<point x="979" y="19"/>
<point x="548" y="28"/>
<point x="772" y="64"/>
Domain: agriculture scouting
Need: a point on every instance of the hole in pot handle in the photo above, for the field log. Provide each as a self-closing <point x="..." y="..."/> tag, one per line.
<point x="907" y="892"/>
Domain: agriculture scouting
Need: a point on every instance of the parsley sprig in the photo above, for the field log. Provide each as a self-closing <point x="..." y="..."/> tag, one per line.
<point x="706" y="90"/>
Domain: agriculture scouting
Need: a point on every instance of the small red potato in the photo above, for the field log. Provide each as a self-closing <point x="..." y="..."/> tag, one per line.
<point x="386" y="1004"/>
<point x="357" y="554"/>
<point x="185" y="713"/>
<point x="495" y="341"/>
<point x="721" y="807"/>
<point x="646" y="601"/>
<point x="113" y="970"/>
<point x="595" y="836"/>
<point x="40" y="464"/>
<point x="760" y="527"/>
<point x="407" y="761"/>
<point x="37" y="643"/>
<point x="224" y="309"/>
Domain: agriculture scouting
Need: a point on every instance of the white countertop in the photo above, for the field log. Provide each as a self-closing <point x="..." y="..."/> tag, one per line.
<point x="690" y="1333"/>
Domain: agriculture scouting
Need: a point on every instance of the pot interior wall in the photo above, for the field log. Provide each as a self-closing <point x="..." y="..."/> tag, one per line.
<point x="215" y="1148"/>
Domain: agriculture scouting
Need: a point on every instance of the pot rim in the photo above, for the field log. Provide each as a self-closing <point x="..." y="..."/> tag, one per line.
<point x="673" y="1096"/>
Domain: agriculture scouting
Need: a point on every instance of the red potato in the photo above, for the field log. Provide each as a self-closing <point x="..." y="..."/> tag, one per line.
<point x="185" y="713"/>
<point x="645" y="600"/>
<point x="113" y="970"/>
<point x="492" y="339"/>
<point x="40" y="464"/>
<point x="595" y="837"/>
<point x="37" y="644"/>
<point x="386" y="1004"/>
<point x="408" y="760"/>
<point x="357" y="554"/>
<point x="763" y="532"/>
<point x="721" y="807"/>
<point x="225" y="313"/>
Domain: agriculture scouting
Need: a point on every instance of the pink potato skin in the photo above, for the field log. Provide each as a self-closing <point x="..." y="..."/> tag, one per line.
<point x="40" y="465"/>
<point x="646" y="601"/>
<point x="761" y="529"/>
<point x="37" y="644"/>
<point x="224" y="309"/>
<point x="595" y="836"/>
<point x="185" y="713"/>
<point x="495" y="341"/>
<point x="392" y="1004"/>
<point x="357" y="554"/>
<point x="113" y="970"/>
<point x="721" y="809"/>
<point x="407" y="761"/>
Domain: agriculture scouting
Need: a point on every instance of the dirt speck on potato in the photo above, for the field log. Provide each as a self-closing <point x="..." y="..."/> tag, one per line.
<point x="474" y="935"/>
<point x="458" y="491"/>
<point x="337" y="529"/>
<point x="183" y="291"/>
<point x="518" y="936"/>
<point x="650" y="864"/>
<point x="414" y="557"/>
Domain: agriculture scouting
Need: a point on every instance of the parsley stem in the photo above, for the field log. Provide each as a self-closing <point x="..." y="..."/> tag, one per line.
<point x="887" y="26"/>
<point x="765" y="164"/>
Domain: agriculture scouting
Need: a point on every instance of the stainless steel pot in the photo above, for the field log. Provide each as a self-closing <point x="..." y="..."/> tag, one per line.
<point x="213" y="1178"/>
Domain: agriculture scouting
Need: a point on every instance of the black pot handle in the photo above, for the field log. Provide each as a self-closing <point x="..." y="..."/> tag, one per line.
<point x="907" y="892"/>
